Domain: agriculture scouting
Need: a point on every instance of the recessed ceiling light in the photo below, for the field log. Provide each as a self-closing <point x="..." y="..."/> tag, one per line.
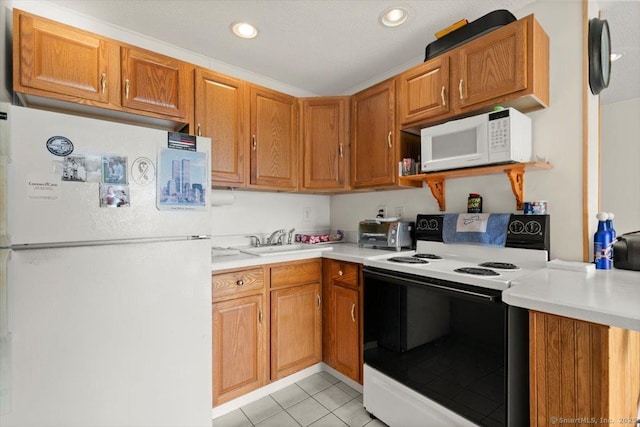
<point x="244" y="30"/>
<point x="616" y="56"/>
<point x="393" y="17"/>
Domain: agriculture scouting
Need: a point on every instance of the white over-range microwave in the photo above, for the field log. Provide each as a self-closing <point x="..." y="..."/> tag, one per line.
<point x="498" y="137"/>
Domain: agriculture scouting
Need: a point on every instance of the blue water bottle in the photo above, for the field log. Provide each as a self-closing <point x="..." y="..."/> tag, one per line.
<point x="612" y="231"/>
<point x="602" y="243"/>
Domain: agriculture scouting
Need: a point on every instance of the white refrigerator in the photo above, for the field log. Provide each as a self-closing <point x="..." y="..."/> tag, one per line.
<point x="105" y="280"/>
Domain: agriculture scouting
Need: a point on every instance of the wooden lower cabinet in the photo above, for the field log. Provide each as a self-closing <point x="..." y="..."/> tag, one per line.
<point x="341" y="348"/>
<point x="239" y="347"/>
<point x="582" y="373"/>
<point x="296" y="329"/>
<point x="296" y="316"/>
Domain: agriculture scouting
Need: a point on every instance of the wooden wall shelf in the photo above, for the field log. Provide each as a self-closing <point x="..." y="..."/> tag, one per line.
<point x="515" y="172"/>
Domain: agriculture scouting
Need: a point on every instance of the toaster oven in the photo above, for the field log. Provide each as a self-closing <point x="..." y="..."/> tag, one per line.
<point x="385" y="234"/>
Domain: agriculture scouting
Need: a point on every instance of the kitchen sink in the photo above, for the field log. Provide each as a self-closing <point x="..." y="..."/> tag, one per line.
<point x="273" y="250"/>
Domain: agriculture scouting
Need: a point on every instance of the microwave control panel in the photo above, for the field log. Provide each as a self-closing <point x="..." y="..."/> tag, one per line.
<point x="499" y="128"/>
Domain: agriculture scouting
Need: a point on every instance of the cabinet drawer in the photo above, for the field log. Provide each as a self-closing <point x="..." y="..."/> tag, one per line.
<point x="237" y="282"/>
<point x="345" y="273"/>
<point x="296" y="274"/>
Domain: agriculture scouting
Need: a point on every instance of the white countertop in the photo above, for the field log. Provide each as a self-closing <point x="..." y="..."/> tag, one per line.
<point x="608" y="297"/>
<point x="339" y="251"/>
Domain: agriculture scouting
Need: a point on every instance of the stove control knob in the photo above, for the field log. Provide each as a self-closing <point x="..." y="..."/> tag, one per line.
<point x="393" y="232"/>
<point x="393" y="240"/>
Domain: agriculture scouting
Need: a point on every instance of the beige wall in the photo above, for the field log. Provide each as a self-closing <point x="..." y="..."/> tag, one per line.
<point x="620" y="162"/>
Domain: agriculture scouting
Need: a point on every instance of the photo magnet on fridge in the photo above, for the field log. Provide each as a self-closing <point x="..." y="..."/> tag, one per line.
<point x="114" y="196"/>
<point x="73" y="169"/>
<point x="182" y="180"/>
<point x="114" y="169"/>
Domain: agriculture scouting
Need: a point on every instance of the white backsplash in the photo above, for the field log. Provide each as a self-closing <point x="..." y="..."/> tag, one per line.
<point x="261" y="213"/>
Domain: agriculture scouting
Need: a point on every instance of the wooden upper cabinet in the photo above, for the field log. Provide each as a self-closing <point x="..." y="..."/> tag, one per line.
<point x="324" y="145"/>
<point x="492" y="66"/>
<point x="424" y="90"/>
<point x="52" y="59"/>
<point x="274" y="139"/>
<point x="222" y="114"/>
<point x="509" y="65"/>
<point x="374" y="136"/>
<point x="155" y="83"/>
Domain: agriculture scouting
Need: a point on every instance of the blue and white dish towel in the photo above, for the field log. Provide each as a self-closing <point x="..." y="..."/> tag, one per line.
<point x="476" y="229"/>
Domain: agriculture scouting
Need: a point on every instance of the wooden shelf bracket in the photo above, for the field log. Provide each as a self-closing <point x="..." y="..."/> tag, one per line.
<point x="516" y="178"/>
<point x="515" y="172"/>
<point x="436" y="185"/>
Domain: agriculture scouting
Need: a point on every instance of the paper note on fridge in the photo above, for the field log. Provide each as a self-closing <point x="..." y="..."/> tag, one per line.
<point x="43" y="187"/>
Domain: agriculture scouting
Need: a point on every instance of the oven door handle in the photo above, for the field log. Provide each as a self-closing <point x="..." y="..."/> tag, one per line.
<point x="433" y="285"/>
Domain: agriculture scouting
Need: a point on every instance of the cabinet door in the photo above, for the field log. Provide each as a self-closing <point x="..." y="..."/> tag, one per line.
<point x="373" y="158"/>
<point x="274" y="138"/>
<point x="346" y="326"/>
<point x="424" y="91"/>
<point x="582" y="370"/>
<point x="324" y="143"/>
<point x="155" y="83"/>
<point x="239" y="339"/>
<point x="492" y="66"/>
<point x="221" y="114"/>
<point x="296" y="329"/>
<point x="61" y="60"/>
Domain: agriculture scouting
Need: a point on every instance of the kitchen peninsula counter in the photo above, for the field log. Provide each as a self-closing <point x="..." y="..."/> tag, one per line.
<point x="608" y="297"/>
<point x="350" y="252"/>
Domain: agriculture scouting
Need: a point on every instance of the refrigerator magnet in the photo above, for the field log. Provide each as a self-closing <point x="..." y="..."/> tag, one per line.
<point x="114" y="196"/>
<point x="74" y="169"/>
<point x="114" y="170"/>
<point x="181" y="141"/>
<point x="143" y="171"/>
<point x="60" y="146"/>
<point x="182" y="180"/>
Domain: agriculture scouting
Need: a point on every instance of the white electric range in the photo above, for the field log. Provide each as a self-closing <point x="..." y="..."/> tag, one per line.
<point x="440" y="345"/>
<point x="484" y="266"/>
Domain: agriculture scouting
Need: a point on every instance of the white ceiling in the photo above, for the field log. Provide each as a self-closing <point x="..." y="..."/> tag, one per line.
<point x="331" y="47"/>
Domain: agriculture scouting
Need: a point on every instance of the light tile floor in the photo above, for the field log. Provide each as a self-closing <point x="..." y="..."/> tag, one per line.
<point x="320" y="400"/>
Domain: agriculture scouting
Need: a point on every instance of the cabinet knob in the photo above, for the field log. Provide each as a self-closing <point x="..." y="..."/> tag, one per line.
<point x="460" y="89"/>
<point x="389" y="140"/>
<point x="199" y="133"/>
<point x="319" y="301"/>
<point x="103" y="82"/>
<point x="444" y="101"/>
<point x="260" y="316"/>
<point x="254" y="143"/>
<point x="340" y="273"/>
<point x="353" y="312"/>
<point x="341" y="150"/>
<point x="240" y="282"/>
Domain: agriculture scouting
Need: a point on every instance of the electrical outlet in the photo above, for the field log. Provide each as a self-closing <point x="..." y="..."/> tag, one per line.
<point x="399" y="211"/>
<point x="307" y="214"/>
<point x="382" y="208"/>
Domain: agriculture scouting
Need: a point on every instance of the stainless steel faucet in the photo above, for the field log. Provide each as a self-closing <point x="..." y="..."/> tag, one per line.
<point x="290" y="236"/>
<point x="255" y="240"/>
<point x="276" y="237"/>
